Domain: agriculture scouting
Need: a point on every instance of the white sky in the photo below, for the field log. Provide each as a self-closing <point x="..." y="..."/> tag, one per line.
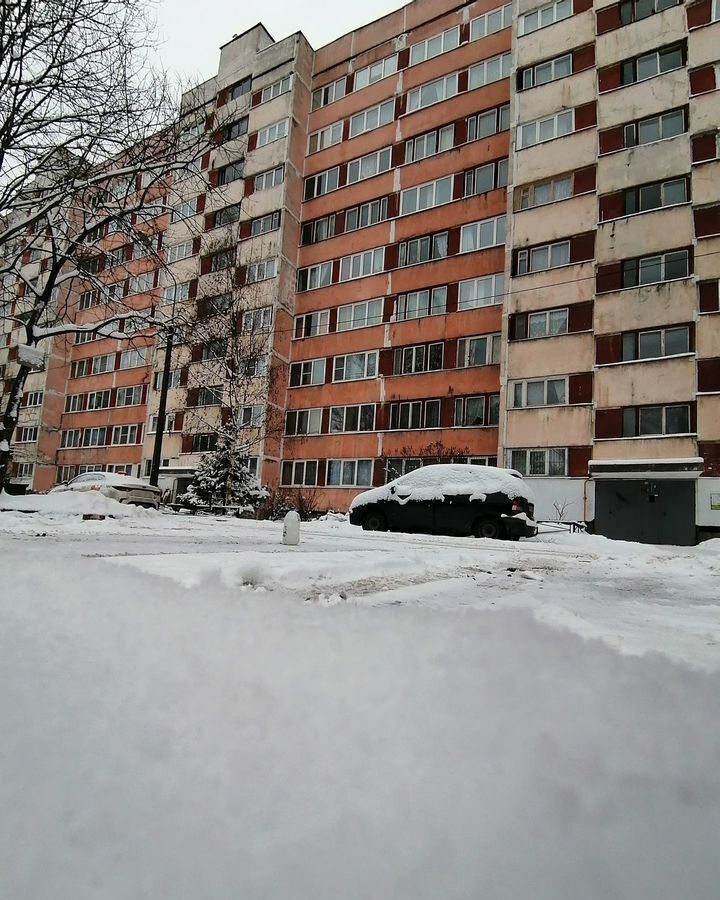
<point x="192" y="32"/>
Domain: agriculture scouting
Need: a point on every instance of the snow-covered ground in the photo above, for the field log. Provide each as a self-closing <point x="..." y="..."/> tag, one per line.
<point x="192" y="710"/>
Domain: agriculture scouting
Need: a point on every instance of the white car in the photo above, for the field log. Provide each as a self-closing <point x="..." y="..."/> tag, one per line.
<point x="116" y="486"/>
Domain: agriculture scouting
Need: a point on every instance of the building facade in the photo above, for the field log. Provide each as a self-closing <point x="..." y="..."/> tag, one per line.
<point x="467" y="231"/>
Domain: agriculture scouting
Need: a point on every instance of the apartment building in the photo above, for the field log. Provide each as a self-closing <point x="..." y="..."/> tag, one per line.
<point x="612" y="366"/>
<point x="396" y="345"/>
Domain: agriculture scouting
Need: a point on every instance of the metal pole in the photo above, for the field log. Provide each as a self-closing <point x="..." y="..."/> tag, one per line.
<point x="162" y="406"/>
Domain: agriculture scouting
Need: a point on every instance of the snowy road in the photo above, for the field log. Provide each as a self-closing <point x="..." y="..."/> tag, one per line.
<point x="191" y="710"/>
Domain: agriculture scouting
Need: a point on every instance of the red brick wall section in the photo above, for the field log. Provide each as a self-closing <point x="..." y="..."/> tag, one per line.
<point x="707" y="221"/>
<point x="704" y="147"/>
<point x="709" y="375"/>
<point x="709" y="293"/>
<point x="699" y="14"/>
<point x="608" y="19"/>
<point x="702" y="80"/>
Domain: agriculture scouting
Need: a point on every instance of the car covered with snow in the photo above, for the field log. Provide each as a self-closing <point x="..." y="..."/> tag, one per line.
<point x="450" y="499"/>
<point x="116" y="486"/>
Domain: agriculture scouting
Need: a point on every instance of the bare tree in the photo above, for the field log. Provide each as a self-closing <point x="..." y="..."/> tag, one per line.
<point x="91" y="138"/>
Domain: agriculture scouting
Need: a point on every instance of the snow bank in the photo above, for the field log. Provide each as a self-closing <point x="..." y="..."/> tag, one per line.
<point x="435" y="482"/>
<point x="73" y="503"/>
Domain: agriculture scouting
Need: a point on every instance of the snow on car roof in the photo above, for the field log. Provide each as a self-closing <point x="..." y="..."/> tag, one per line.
<point x="116" y="478"/>
<point x="437" y="481"/>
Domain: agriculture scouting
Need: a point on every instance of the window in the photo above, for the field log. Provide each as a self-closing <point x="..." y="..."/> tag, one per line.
<point x="210" y="396"/>
<point x="655" y="128"/>
<point x="366" y="215"/>
<point x="228" y="214"/>
<point x="185" y="210"/>
<point x="261" y="271"/>
<point x="98" y="400"/>
<point x="274" y="132"/>
<point x="32" y="398"/>
<point x="266" y="180"/>
<point x="359" y="315"/>
<point x="89" y="299"/>
<point x="469" y="412"/>
<point x="544" y="16"/>
<point x="491" y="22"/>
<point x="656" y="420"/>
<point x="257" y="319"/>
<point x="480" y="235"/>
<point x="715" y="14"/>
<point x="300" y="473"/>
<point x="352" y="418"/>
<point x="328" y="94"/>
<point x="264" y="224"/>
<point x="126" y="434"/>
<point x="179" y="251"/>
<point x="486" y="291"/>
<point x="312" y="324"/>
<point x="80" y="368"/>
<point x="27" y="435"/>
<point x="479" y="351"/>
<point x="424" y="249"/>
<point x="434" y="46"/>
<point x="176" y="292"/>
<point x="129" y="359"/>
<point x="84" y="337"/>
<point x="656" y="343"/>
<point x="235" y="129"/>
<point x="650" y="64"/>
<point x="315" y="277"/>
<point x="70" y="438"/>
<point x="24" y="470"/>
<point x="634" y="10"/>
<point x="65" y="473"/>
<point x="202" y="443"/>
<point x="318" y="230"/>
<point x="222" y="260"/>
<point x="94" y="437"/>
<point x="310" y="372"/>
<point x="215" y="348"/>
<point x="655" y="269"/>
<point x="102" y="364"/>
<point x="488" y="123"/>
<point x="220" y="305"/>
<point x="429" y="144"/>
<point x="355" y="366"/>
<point x="252" y="366"/>
<point x="550" y="461"/>
<point x="540" y="259"/>
<point x="240" y="89"/>
<point x="130" y="396"/>
<point x="417" y="304"/>
<point x="415" y="414"/>
<point x="542" y="192"/>
<point x="276" y="89"/>
<point x="542" y="73"/>
<point x="372" y="118"/>
<point x="545" y="392"/>
<point x="152" y="428"/>
<point x="548" y="323"/>
<point x="489" y="71"/>
<point x="249" y="416"/>
<point x="322" y="183"/>
<point x="174" y="381"/>
<point x="656" y="195"/>
<point x="115" y="257"/>
<point x="433" y="92"/>
<point x="141" y="284"/>
<point x="375" y="72"/>
<point x="547" y="129"/>
<point x="349" y="472"/>
<point x="303" y="421"/>
<point x="425" y="196"/>
<point x="325" y="137"/>
<point x="422" y="358"/>
<point x="360" y="265"/>
<point x="486" y="178"/>
<point x="232" y="172"/>
<point x="369" y="166"/>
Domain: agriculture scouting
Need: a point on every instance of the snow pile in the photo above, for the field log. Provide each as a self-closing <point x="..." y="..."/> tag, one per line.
<point x="72" y="503"/>
<point x="444" y="480"/>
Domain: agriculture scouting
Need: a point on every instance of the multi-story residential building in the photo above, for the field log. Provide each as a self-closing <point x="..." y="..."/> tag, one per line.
<point x="470" y="231"/>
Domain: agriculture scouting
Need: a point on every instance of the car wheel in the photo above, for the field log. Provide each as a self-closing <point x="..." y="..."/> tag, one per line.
<point x="486" y="528"/>
<point x="374" y="521"/>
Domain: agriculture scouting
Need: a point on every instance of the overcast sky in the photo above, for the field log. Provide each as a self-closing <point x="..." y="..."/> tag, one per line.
<point x="192" y="32"/>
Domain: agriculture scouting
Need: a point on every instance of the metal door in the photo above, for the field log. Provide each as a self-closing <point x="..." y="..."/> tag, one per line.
<point x="651" y="512"/>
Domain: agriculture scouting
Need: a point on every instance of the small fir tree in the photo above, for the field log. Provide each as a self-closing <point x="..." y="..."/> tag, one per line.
<point x="223" y="477"/>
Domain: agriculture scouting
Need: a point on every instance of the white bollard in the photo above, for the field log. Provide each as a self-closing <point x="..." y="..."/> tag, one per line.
<point x="291" y="528"/>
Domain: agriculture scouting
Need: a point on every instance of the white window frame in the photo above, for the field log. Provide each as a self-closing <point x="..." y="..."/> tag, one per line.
<point x="265" y="224"/>
<point x="97" y="400"/>
<point x="430" y="144"/>
<point x="259" y="319"/>
<point x="419" y="304"/>
<point x="276" y="89"/>
<point x="488" y="71"/>
<point x="25" y="470"/>
<point x="474" y="130"/>
<point x="420" y="250"/>
<point x="318" y="276"/>
<point x="379" y="205"/>
<point x="369" y="366"/>
<point x="263" y="270"/>
<point x="345" y="473"/>
<point x="364" y="314"/>
<point x="366" y="120"/>
<point x="440" y="43"/>
<point x="273" y="132"/>
<point x="133" y="391"/>
<point x="126" y="435"/>
<point x="312" y="324"/>
<point x="102" y="364"/>
<point x="369" y="166"/>
<point x="185" y="210"/>
<point x="552" y="66"/>
<point x="376" y="71"/>
<point x="95" y="437"/>
<point x="542" y="455"/>
<point x="530" y="132"/>
<point x="526" y="264"/>
<point x="467" y="347"/>
<point x="473" y="235"/>
<point x="427" y="195"/>
<point x="528" y="193"/>
<point x="33" y="399"/>
<point x="322" y="183"/>
<point x="472" y="293"/>
<point x="413" y="360"/>
<point x="329" y="93"/>
<point x="461" y="408"/>
<point x="134" y="358"/>
<point x="143" y="283"/>
<point x="447" y="87"/>
<point x="311" y="422"/>
<point x="312" y="372"/>
<point x="71" y="439"/>
<point x="27" y="434"/>
<point x="304" y="472"/>
<point x="250" y="416"/>
<point x="519" y="391"/>
<point x="550" y="12"/>
<point x="179" y="251"/>
<point x="175" y="293"/>
<point x="362" y="265"/>
<point x="270" y="176"/>
<point x="544" y="319"/>
<point x="491" y="22"/>
<point x="325" y="137"/>
<point x="342" y="411"/>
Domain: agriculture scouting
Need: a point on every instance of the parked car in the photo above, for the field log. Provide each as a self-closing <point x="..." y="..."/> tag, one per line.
<point x="450" y="499"/>
<point x="117" y="486"/>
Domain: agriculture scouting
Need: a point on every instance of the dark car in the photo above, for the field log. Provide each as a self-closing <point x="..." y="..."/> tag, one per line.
<point x="450" y="499"/>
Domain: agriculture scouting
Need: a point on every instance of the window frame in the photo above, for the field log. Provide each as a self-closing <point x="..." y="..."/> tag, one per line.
<point x="307" y="371"/>
<point x="432" y="308"/>
<point x="499" y="224"/>
<point x="442" y="35"/>
<point x="538" y="11"/>
<point x="495" y="298"/>
<point x="275" y="131"/>
<point x="383" y="108"/>
<point x="466" y="348"/>
<point x="370" y="366"/>
<point x="450" y="88"/>
<point x="526" y="254"/>
<point x="547" y="470"/>
<point x="332" y="464"/>
<point x="505" y="18"/>
<point x="524" y="383"/>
